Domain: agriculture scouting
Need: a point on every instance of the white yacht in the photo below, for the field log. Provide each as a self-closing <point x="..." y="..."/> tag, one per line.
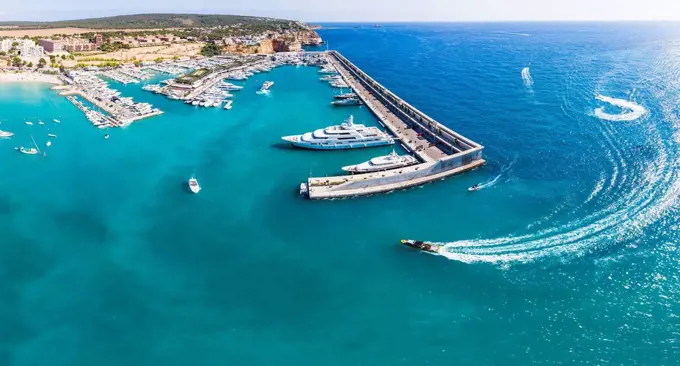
<point x="386" y="162"/>
<point x="56" y="121"/>
<point x="193" y="185"/>
<point x="29" y="151"/>
<point x="4" y="134"/>
<point x="227" y="104"/>
<point x="266" y="85"/>
<point x="345" y="136"/>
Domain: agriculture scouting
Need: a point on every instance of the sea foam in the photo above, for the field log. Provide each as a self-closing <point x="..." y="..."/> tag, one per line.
<point x="632" y="111"/>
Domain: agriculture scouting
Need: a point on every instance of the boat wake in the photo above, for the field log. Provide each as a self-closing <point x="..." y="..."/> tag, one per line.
<point x="526" y="77"/>
<point x="632" y="111"/>
<point x="492" y="182"/>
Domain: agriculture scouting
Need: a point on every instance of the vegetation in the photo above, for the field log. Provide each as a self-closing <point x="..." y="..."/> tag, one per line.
<point x="210" y="49"/>
<point x="146" y="21"/>
<point x="42" y="62"/>
<point x="16" y="61"/>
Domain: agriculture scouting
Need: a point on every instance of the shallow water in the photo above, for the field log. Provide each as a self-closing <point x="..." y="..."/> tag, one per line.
<point x="567" y="255"/>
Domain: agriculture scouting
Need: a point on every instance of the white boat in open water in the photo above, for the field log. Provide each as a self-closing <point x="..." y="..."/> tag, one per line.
<point x="5" y="134"/>
<point x="386" y="162"/>
<point x="344" y="136"/>
<point x="31" y="150"/>
<point x="193" y="185"/>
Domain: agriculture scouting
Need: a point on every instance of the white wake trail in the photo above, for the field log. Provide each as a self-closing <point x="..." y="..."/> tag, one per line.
<point x="526" y="77"/>
<point x="632" y="112"/>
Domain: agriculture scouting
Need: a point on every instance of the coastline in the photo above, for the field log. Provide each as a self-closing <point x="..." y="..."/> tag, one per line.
<point x="28" y="77"/>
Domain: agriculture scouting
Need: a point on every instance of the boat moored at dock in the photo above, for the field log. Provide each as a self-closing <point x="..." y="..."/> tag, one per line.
<point x="347" y="102"/>
<point x="380" y="163"/>
<point x="344" y="136"/>
<point x="345" y="96"/>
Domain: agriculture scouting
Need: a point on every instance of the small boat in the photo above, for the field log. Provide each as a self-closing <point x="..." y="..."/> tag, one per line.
<point x="106" y="137"/>
<point x="303" y="189"/>
<point x="29" y="123"/>
<point x="227" y="104"/>
<point x="193" y="185"/>
<point x="29" y="151"/>
<point x="266" y="85"/>
<point x="347" y="102"/>
<point x="4" y="134"/>
<point x="424" y="246"/>
<point x="51" y="135"/>
<point x="56" y="121"/>
<point x="475" y="187"/>
<point x="41" y="123"/>
<point x="345" y="96"/>
<point x="48" y="143"/>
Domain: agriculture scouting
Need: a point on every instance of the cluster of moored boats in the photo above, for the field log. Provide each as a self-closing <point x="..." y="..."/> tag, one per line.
<point x="33" y="148"/>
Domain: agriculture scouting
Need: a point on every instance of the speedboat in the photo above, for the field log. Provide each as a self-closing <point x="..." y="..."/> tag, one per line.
<point x="51" y="135"/>
<point x="40" y="123"/>
<point x="344" y="136"/>
<point x="227" y="104"/>
<point x="29" y="123"/>
<point x="56" y="121"/>
<point x="475" y="187"/>
<point x="48" y="143"/>
<point x="424" y="246"/>
<point x="348" y="102"/>
<point x="106" y="137"/>
<point x="387" y="162"/>
<point x="193" y="185"/>
<point x="266" y="85"/>
<point x="4" y="134"/>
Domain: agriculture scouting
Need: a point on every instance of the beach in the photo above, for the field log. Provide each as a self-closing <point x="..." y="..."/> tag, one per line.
<point x="28" y="77"/>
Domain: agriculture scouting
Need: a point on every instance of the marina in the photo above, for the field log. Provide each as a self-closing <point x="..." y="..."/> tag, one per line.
<point x="441" y="151"/>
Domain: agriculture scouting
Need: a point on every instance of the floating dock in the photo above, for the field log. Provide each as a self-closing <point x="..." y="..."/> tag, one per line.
<point x="442" y="152"/>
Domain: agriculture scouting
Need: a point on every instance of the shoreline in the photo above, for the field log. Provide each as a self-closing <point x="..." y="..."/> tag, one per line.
<point x="28" y="77"/>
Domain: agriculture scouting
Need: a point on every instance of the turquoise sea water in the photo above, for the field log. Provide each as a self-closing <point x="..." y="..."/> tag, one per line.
<point x="568" y="255"/>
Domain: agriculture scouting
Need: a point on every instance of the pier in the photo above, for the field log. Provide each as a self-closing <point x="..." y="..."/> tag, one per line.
<point x="442" y="152"/>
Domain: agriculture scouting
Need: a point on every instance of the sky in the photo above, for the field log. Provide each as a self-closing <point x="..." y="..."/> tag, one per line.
<point x="356" y="10"/>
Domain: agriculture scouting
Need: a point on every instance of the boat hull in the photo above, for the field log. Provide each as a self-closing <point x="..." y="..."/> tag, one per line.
<point x="345" y="146"/>
<point x="423" y="246"/>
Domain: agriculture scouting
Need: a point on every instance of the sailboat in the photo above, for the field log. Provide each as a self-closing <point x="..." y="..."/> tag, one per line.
<point x="30" y="150"/>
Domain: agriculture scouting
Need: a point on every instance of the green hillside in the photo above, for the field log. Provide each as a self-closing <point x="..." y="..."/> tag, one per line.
<point x="145" y="21"/>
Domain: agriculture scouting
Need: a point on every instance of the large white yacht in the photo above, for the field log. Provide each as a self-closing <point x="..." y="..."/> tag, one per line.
<point x="390" y="161"/>
<point x="345" y="136"/>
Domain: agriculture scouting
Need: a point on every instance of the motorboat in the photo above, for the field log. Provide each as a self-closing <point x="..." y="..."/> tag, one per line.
<point x="5" y="134"/>
<point x="303" y="189"/>
<point x="475" y="187"/>
<point x="106" y="137"/>
<point x="56" y="121"/>
<point x="48" y="143"/>
<point x="348" y="102"/>
<point x="345" y="96"/>
<point x="386" y="162"/>
<point x="51" y="135"/>
<point x="344" y="136"/>
<point x="41" y="123"/>
<point x="266" y="85"/>
<point x="29" y="123"/>
<point x="227" y="104"/>
<point x="193" y="185"/>
<point x="421" y="245"/>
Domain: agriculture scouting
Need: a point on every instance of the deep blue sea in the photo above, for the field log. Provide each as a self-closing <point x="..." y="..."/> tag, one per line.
<point x="568" y="255"/>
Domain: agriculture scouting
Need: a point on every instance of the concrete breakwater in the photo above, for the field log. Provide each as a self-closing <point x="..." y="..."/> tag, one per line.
<point x="442" y="151"/>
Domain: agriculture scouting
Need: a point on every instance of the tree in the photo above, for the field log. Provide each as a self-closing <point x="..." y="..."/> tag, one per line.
<point x="52" y="58"/>
<point x="42" y="62"/>
<point x="16" y="61"/>
<point x="210" y="49"/>
<point x="159" y="59"/>
<point x="3" y="53"/>
<point x="15" y="44"/>
<point x="63" y="57"/>
<point x="175" y="58"/>
<point x="30" y="64"/>
<point x="138" y="63"/>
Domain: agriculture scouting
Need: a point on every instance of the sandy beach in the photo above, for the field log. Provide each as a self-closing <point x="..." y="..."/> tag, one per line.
<point x="28" y="77"/>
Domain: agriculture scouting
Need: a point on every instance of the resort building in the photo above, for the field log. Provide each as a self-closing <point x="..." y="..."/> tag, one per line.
<point x="26" y="47"/>
<point x="70" y="44"/>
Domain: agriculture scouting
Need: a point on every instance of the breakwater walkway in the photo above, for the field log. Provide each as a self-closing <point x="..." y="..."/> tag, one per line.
<point x="442" y="151"/>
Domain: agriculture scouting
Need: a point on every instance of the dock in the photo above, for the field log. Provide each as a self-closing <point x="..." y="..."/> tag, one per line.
<point x="442" y="151"/>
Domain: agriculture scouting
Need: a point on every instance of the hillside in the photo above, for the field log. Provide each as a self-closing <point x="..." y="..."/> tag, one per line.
<point x="146" y="21"/>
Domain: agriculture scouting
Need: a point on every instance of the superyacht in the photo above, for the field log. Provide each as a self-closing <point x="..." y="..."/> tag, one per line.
<point x="344" y="136"/>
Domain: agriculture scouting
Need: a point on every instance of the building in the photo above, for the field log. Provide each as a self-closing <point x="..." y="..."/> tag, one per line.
<point x="26" y="47"/>
<point x="69" y="44"/>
